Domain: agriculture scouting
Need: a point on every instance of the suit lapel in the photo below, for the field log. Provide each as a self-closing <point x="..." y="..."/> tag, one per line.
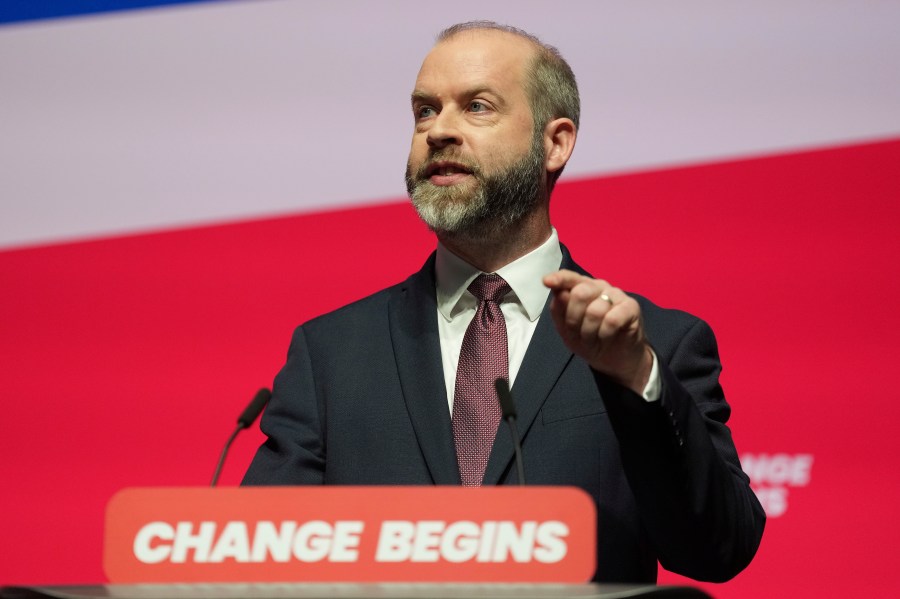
<point x="417" y="350"/>
<point x="545" y="360"/>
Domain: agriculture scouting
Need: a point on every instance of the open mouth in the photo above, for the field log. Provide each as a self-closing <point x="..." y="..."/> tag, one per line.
<point x="447" y="172"/>
<point x="445" y="168"/>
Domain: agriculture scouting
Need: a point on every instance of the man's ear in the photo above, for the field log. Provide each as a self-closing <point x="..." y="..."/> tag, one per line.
<point x="559" y="141"/>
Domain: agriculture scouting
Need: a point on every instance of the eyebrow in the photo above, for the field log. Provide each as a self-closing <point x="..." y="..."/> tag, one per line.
<point x="422" y="96"/>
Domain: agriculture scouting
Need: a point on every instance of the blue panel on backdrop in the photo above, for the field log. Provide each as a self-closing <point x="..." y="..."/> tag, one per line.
<point x="13" y="11"/>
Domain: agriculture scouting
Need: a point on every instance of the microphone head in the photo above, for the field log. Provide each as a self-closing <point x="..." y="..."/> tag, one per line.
<point x="507" y="406"/>
<point x="253" y="410"/>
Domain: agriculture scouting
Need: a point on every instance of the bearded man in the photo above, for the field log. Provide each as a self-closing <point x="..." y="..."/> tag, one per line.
<point x="615" y="395"/>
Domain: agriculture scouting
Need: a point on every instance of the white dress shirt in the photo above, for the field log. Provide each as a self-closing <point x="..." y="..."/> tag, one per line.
<point x="521" y="307"/>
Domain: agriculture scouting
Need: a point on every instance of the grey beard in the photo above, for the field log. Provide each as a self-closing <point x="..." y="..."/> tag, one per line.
<point x="498" y="202"/>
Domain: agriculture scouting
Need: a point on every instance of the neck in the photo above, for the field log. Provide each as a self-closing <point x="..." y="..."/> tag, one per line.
<point x="488" y="253"/>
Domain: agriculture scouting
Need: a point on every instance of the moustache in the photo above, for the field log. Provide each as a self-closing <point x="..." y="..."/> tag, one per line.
<point x="447" y="155"/>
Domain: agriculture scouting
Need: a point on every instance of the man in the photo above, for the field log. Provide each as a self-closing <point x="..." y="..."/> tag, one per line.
<point x="615" y="395"/>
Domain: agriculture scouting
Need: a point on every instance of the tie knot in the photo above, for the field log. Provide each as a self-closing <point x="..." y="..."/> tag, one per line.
<point x="489" y="288"/>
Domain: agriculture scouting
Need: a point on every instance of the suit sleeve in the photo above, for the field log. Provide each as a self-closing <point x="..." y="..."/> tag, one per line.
<point x="695" y="502"/>
<point x="294" y="452"/>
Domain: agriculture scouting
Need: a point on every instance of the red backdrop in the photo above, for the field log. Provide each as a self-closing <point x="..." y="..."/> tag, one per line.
<point x="125" y="361"/>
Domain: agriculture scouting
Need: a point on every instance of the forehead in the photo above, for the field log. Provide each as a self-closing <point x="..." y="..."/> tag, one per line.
<point x="476" y="59"/>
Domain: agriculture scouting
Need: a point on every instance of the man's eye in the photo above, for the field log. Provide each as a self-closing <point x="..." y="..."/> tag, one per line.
<point x="477" y="107"/>
<point x="425" y="112"/>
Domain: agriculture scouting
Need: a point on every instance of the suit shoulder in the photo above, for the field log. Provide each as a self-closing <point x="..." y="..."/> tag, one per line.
<point x="667" y="327"/>
<point x="361" y="314"/>
<point x="672" y="316"/>
<point x="365" y="308"/>
<point x="659" y="321"/>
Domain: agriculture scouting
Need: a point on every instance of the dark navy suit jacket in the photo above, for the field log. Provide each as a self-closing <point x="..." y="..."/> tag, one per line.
<point x="362" y="401"/>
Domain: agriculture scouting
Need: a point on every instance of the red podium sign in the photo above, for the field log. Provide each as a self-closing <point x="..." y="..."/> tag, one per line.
<point x="358" y="534"/>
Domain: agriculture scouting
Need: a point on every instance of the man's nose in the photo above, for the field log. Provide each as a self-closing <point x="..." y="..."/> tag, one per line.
<point x="444" y="131"/>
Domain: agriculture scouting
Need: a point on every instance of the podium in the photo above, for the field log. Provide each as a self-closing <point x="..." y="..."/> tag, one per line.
<point x="355" y="591"/>
<point x="350" y="543"/>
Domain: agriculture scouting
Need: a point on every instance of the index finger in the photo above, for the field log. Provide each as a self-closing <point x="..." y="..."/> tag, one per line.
<point x="563" y="280"/>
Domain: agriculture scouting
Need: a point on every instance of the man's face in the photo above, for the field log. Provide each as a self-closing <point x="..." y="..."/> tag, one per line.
<point x="476" y="165"/>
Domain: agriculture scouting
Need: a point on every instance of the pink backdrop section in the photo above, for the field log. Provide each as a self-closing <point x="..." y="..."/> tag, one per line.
<point x="125" y="361"/>
<point x="207" y="113"/>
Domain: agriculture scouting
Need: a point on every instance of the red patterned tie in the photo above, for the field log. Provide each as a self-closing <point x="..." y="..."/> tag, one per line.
<point x="483" y="358"/>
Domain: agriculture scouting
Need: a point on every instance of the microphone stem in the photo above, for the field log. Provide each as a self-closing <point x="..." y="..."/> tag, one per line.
<point x="215" y="478"/>
<point x="520" y="466"/>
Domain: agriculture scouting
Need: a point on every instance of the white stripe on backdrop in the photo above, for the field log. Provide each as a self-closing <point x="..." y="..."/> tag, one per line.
<point x="196" y="114"/>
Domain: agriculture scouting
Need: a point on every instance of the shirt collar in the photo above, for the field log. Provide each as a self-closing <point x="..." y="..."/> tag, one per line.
<point x="454" y="275"/>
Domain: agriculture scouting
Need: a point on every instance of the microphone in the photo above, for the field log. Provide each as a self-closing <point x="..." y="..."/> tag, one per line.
<point x="508" y="407"/>
<point x="247" y="417"/>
